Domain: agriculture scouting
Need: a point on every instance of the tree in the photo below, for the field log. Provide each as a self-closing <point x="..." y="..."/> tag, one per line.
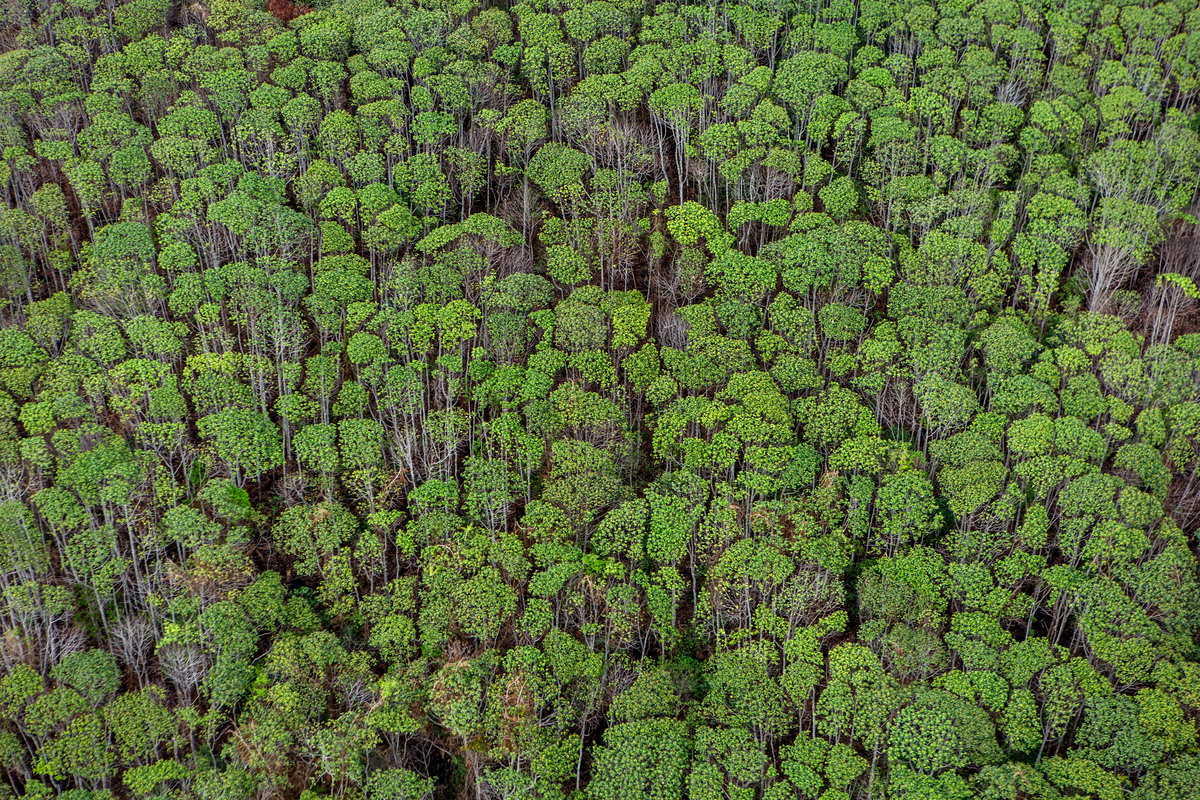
<point x="247" y="441"/>
<point x="907" y="507"/>
<point x="558" y="171"/>
<point x="312" y="534"/>
<point x="398" y="784"/>
<point x="583" y="480"/>
<point x="92" y="673"/>
<point x="141" y="726"/>
<point x="743" y="693"/>
<point x="645" y="759"/>
<point x="940" y="732"/>
<point x="81" y="752"/>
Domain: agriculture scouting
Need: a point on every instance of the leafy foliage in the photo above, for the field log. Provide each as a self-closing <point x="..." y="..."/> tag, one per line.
<point x="593" y="399"/>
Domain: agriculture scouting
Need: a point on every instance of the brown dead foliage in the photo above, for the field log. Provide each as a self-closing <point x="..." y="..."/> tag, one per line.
<point x="287" y="10"/>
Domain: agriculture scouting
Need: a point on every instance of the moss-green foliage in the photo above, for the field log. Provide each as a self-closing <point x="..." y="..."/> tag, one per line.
<point x="599" y="400"/>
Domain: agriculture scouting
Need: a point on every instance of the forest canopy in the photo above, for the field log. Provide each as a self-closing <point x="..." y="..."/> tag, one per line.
<point x="605" y="400"/>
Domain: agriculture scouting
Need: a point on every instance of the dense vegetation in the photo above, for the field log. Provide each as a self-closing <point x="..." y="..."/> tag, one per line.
<point x="606" y="400"/>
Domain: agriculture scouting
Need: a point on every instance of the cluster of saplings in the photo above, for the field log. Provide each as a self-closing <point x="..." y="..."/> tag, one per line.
<point x="607" y="400"/>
